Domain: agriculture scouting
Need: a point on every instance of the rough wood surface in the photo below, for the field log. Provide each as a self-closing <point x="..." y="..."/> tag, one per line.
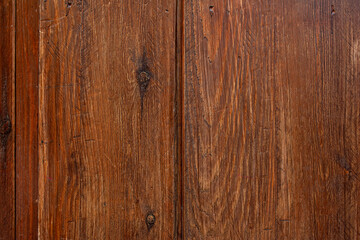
<point x="26" y="127"/>
<point x="7" y="117"/>
<point x="272" y="106"/>
<point x="107" y="125"/>
<point x="184" y="119"/>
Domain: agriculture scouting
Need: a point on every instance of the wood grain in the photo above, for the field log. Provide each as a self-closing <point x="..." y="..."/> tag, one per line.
<point x="272" y="108"/>
<point x="180" y="119"/>
<point x="107" y="124"/>
<point x="7" y="118"/>
<point x="26" y="127"/>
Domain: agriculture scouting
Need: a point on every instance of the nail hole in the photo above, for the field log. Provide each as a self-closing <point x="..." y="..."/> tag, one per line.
<point x="68" y="3"/>
<point x="332" y="9"/>
<point x="68" y="6"/>
<point x="211" y="9"/>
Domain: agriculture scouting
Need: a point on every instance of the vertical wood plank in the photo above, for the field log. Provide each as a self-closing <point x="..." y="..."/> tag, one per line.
<point x="230" y="119"/>
<point x="319" y="103"/>
<point x="7" y="118"/>
<point x="59" y="119"/>
<point x="107" y="120"/>
<point x="26" y="127"/>
<point x="272" y="119"/>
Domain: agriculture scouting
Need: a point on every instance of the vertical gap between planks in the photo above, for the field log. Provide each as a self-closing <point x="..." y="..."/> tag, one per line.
<point x="14" y="114"/>
<point x="180" y="127"/>
<point x="13" y="123"/>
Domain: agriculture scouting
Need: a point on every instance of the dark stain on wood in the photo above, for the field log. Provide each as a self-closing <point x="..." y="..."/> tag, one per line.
<point x="343" y="163"/>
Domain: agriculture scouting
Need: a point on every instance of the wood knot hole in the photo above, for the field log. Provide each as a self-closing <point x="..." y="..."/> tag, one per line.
<point x="150" y="220"/>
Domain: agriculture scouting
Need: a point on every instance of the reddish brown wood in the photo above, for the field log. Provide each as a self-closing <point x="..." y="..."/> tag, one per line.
<point x="272" y="108"/>
<point x="180" y="119"/>
<point x="179" y="114"/>
<point x="26" y="127"/>
<point x="7" y="117"/>
<point x="107" y="123"/>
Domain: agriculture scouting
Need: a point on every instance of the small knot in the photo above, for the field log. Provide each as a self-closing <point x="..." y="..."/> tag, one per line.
<point x="144" y="77"/>
<point x="150" y="220"/>
<point x="5" y="126"/>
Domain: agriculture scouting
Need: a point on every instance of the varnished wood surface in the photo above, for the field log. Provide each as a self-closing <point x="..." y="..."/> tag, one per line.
<point x="26" y="124"/>
<point x="272" y="103"/>
<point x="179" y="119"/>
<point x="107" y="125"/>
<point x="7" y="117"/>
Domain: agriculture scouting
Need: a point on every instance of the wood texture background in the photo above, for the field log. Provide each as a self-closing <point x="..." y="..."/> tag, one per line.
<point x="7" y="114"/>
<point x="107" y="126"/>
<point x="144" y="119"/>
<point x="272" y="107"/>
<point x="26" y="122"/>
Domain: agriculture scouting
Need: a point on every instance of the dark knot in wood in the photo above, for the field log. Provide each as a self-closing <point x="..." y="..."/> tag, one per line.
<point x="143" y="81"/>
<point x="5" y="126"/>
<point x="150" y="220"/>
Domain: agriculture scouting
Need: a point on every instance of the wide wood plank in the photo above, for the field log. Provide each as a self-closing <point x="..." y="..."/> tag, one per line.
<point x="26" y="127"/>
<point x="272" y="106"/>
<point x="107" y="124"/>
<point x="7" y="120"/>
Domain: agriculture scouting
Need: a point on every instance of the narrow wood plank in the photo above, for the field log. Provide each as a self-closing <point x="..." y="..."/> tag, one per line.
<point x="7" y="118"/>
<point x="230" y="120"/>
<point x="26" y="127"/>
<point x="59" y="120"/>
<point x="318" y="104"/>
<point x="272" y="107"/>
<point x="179" y="115"/>
<point x="107" y="120"/>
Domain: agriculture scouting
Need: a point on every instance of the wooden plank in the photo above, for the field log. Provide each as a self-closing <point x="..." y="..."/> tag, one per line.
<point x="272" y="108"/>
<point x="7" y="118"/>
<point x="179" y="114"/>
<point x="319" y="104"/>
<point x="26" y="127"/>
<point x="107" y="123"/>
<point x="59" y="120"/>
